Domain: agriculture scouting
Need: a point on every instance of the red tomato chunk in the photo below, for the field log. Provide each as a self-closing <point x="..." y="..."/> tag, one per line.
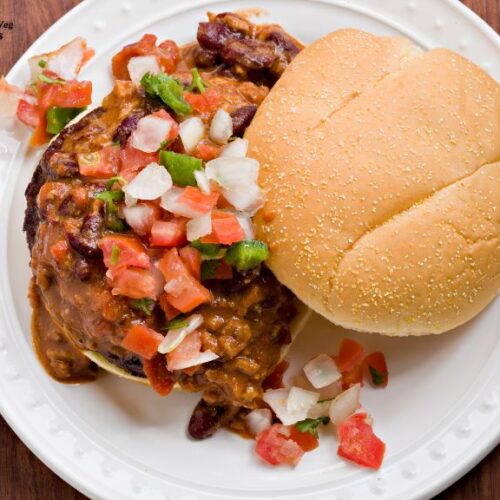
<point x="358" y="443"/>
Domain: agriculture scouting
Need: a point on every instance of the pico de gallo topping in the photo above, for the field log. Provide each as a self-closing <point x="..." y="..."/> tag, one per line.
<point x="53" y="96"/>
<point x="323" y="399"/>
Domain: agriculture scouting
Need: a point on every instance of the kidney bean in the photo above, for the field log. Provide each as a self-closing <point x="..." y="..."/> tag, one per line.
<point x="284" y="43"/>
<point x="85" y="240"/>
<point x="242" y="118"/>
<point x="62" y="165"/>
<point x="126" y="127"/>
<point x="205" y="58"/>
<point x="205" y="420"/>
<point x="82" y="269"/>
<point x="249" y="53"/>
<point x="214" y="36"/>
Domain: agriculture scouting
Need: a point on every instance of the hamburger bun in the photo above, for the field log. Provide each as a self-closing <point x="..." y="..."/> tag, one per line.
<point x="381" y="168"/>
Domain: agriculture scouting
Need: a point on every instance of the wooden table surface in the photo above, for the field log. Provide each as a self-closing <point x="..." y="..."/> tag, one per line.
<point x="22" y="475"/>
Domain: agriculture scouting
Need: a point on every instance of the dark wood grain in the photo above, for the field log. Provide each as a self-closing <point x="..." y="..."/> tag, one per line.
<point x="22" y="475"/>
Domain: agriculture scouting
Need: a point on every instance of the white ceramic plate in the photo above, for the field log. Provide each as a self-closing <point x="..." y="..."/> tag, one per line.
<point x="112" y="439"/>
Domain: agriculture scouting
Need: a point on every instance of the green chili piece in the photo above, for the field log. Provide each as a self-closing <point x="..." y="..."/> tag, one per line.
<point x="47" y="79"/>
<point x="168" y="89"/>
<point x="209" y="268"/>
<point x="181" y="167"/>
<point x="58" y="118"/>
<point x="247" y="254"/>
<point x="207" y="249"/>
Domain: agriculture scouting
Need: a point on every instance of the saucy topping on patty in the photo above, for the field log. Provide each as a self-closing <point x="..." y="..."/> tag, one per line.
<point x="114" y="210"/>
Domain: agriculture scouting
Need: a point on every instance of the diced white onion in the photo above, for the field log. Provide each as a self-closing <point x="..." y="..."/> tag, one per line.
<point x="130" y="201"/>
<point x="221" y="128"/>
<point x="300" y="400"/>
<point x="199" y="359"/>
<point x="277" y="399"/>
<point x="233" y="173"/>
<point x="246" y="224"/>
<point x="150" y="183"/>
<point x="202" y="181"/>
<point x="140" y="65"/>
<point x="191" y="132"/>
<point x="138" y="217"/>
<point x="322" y="371"/>
<point x="67" y="61"/>
<point x="345" y="404"/>
<point x="9" y="99"/>
<point x="151" y="131"/>
<point x="199" y="226"/>
<point x="176" y="335"/>
<point x="259" y="420"/>
<point x="235" y="149"/>
<point x="248" y="199"/>
<point x="170" y="202"/>
<point x="320" y="409"/>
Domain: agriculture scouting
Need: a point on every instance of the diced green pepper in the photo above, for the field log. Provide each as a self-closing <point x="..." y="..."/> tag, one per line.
<point x="168" y="89"/>
<point x="114" y="223"/>
<point x="47" y="79"/>
<point x="58" y="118"/>
<point x="209" y="268"/>
<point x="116" y="179"/>
<point x="207" y="249"/>
<point x="247" y="254"/>
<point x="181" y="167"/>
<point x="42" y="63"/>
<point x="197" y="83"/>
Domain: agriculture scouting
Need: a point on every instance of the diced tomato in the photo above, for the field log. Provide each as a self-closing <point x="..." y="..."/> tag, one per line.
<point x="142" y="216"/>
<point x="170" y="311"/>
<point x="72" y="94"/>
<point x="375" y="369"/>
<point x="161" y="380"/>
<point x="133" y="160"/>
<point x="358" y="443"/>
<point x="136" y="283"/>
<point x="27" y="113"/>
<point x="225" y="229"/>
<point x="101" y="164"/>
<point x="121" y="251"/>
<point x="186" y="350"/>
<point x="167" y="55"/>
<point x="205" y="103"/>
<point x="275" y="446"/>
<point x="142" y="340"/>
<point x="305" y="440"/>
<point x="170" y="233"/>
<point x="195" y="199"/>
<point x="275" y="379"/>
<point x="354" y="376"/>
<point x="351" y="353"/>
<point x="60" y="251"/>
<point x="224" y="271"/>
<point x="206" y="152"/>
<point x="192" y="260"/>
<point x="185" y="292"/>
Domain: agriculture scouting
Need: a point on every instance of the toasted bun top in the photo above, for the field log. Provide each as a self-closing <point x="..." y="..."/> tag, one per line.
<point x="380" y="167"/>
